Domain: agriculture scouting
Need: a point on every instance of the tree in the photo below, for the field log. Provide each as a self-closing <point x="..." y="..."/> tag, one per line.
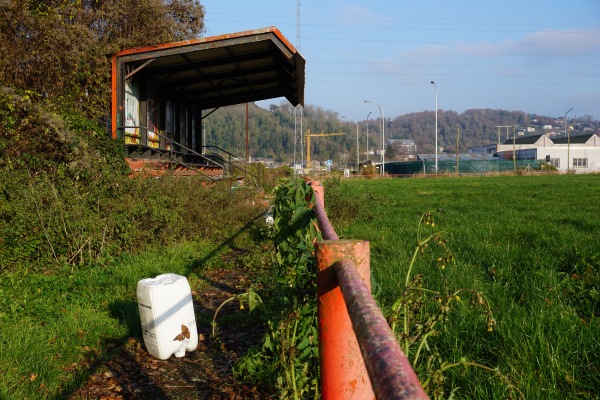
<point x="60" y="48"/>
<point x="390" y="152"/>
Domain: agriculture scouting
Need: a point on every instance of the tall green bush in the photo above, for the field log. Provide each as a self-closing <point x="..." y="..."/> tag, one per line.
<point x="49" y="219"/>
<point x="66" y="198"/>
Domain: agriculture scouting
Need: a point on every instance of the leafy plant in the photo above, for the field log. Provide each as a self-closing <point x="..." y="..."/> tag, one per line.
<point x="289" y="352"/>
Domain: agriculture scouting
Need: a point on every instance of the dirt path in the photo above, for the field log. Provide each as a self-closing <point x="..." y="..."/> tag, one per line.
<point x="132" y="373"/>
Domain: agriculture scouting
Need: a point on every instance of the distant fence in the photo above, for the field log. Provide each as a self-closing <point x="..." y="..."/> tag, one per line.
<point x="464" y="166"/>
<point x="360" y="356"/>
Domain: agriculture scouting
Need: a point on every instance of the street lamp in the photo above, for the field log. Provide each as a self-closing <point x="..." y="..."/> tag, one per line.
<point x="357" y="154"/>
<point x="568" y="142"/>
<point x="368" y="134"/>
<point x="382" y="136"/>
<point x="436" y="127"/>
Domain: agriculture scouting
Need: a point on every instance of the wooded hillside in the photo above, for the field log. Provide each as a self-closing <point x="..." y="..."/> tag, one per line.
<point x="271" y="132"/>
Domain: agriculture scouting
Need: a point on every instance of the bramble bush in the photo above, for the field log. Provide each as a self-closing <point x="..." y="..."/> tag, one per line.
<point x="66" y="197"/>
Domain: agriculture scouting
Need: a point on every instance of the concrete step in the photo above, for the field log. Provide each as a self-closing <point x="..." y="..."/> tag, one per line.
<point x="160" y="167"/>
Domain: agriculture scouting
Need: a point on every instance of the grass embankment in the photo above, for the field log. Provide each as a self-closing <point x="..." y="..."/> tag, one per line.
<point x="530" y="244"/>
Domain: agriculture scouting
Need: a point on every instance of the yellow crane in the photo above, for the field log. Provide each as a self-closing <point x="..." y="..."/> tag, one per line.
<point x="308" y="135"/>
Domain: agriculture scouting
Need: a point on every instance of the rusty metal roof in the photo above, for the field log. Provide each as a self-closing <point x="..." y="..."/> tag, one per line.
<point x="223" y="70"/>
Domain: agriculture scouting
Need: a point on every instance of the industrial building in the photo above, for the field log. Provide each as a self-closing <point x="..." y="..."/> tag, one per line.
<point x="579" y="154"/>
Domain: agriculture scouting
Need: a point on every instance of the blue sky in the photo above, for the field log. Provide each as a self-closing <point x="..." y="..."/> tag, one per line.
<point x="537" y="56"/>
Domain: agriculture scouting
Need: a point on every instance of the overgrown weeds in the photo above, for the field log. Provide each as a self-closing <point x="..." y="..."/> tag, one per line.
<point x="343" y="207"/>
<point x="53" y="218"/>
<point x="529" y="243"/>
<point x="288" y="357"/>
<point x="290" y="353"/>
<point x="422" y="312"/>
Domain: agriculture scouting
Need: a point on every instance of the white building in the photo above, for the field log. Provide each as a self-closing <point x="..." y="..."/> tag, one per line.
<point x="579" y="153"/>
<point x="402" y="146"/>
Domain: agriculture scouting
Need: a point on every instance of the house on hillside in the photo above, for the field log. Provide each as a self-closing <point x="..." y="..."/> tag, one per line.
<point x="402" y="146"/>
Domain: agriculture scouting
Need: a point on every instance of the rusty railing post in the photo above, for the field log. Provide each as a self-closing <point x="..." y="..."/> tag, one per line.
<point x="343" y="372"/>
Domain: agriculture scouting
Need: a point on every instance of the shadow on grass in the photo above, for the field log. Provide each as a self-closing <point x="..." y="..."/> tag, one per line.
<point x="200" y="373"/>
<point x="228" y="243"/>
<point x="126" y="312"/>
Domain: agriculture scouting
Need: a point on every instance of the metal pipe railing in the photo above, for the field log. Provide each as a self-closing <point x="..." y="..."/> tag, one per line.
<point x="231" y="165"/>
<point x="343" y="286"/>
<point x="325" y="226"/>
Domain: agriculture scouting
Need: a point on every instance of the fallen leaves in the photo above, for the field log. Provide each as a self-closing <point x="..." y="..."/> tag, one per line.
<point x="206" y="373"/>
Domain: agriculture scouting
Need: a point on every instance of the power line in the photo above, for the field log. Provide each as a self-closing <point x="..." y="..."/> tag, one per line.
<point x="403" y="28"/>
<point x="451" y="74"/>
<point x="390" y="19"/>
<point x="440" y="42"/>
<point x="449" y="52"/>
<point x="457" y="84"/>
<point x="455" y="65"/>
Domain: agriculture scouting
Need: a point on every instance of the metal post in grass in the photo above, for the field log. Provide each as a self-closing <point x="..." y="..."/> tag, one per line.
<point x="568" y="142"/>
<point x="343" y="371"/>
<point x="436" y="127"/>
<point x="382" y="136"/>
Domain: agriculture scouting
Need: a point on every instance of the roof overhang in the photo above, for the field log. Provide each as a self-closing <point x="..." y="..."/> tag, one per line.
<point x="221" y="70"/>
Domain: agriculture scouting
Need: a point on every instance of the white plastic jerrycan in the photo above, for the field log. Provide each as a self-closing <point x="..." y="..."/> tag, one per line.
<point x="167" y="315"/>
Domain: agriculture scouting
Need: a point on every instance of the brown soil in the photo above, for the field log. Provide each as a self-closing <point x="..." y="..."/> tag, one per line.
<point x="130" y="372"/>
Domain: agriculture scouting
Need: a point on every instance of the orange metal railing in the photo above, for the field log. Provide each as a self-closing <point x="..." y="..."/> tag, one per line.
<point x="360" y="356"/>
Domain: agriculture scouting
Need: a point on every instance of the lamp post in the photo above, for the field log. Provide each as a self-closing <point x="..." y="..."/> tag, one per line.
<point x="382" y="136"/>
<point x="568" y="142"/>
<point x="357" y="153"/>
<point x="436" y="127"/>
<point x="368" y="134"/>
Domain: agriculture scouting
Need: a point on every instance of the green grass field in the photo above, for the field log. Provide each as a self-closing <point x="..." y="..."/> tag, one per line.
<point x="57" y="329"/>
<point x="529" y="243"/>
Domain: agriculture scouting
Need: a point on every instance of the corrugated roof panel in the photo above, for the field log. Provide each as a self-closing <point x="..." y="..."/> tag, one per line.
<point x="523" y="139"/>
